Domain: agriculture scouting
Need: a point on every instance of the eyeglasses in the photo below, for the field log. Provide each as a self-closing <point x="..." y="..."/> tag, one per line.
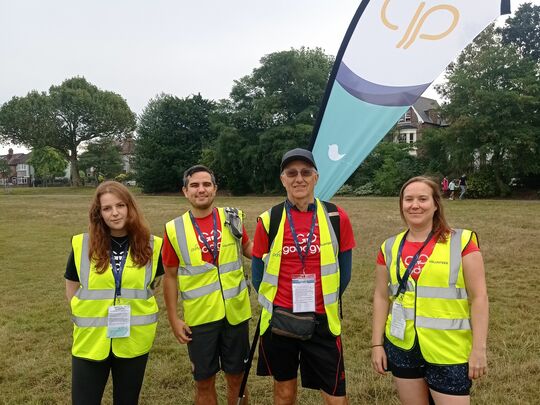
<point x="292" y="173"/>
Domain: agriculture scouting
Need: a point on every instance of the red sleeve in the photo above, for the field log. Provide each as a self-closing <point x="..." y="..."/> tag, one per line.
<point x="245" y="236"/>
<point x="380" y="258"/>
<point x="346" y="238"/>
<point x="168" y="255"/>
<point x="470" y="248"/>
<point x="260" y="241"/>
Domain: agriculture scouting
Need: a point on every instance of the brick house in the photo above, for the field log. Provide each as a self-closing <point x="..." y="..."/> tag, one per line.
<point x="421" y="115"/>
<point x="20" y="172"/>
<point x="127" y="153"/>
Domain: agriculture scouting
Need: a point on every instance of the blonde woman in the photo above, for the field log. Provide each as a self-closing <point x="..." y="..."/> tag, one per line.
<point x="430" y="306"/>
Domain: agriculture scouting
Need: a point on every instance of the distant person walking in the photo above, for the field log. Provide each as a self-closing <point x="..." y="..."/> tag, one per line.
<point x="430" y="305"/>
<point x="444" y="186"/>
<point x="452" y="188"/>
<point x="462" y="186"/>
<point x="110" y="278"/>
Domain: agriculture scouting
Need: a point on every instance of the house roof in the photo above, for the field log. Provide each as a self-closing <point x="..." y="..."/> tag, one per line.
<point x="422" y="106"/>
<point x="127" y="146"/>
<point x="15" y="158"/>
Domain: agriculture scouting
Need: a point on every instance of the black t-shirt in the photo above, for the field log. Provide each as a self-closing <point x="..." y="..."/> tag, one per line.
<point x="119" y="247"/>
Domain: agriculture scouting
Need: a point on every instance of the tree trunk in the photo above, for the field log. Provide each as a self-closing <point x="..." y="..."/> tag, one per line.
<point x="503" y="188"/>
<point x="75" y="178"/>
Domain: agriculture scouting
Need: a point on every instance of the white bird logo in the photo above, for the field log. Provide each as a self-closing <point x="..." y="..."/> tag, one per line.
<point x="333" y="153"/>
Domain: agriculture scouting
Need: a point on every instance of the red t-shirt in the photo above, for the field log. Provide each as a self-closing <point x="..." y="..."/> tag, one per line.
<point x="206" y="225"/>
<point x="410" y="249"/>
<point x="291" y="263"/>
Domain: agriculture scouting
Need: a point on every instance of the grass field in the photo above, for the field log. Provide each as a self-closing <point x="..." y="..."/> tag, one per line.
<point x="35" y="326"/>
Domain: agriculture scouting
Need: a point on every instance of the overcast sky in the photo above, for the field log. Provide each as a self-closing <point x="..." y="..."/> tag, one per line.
<point x="140" y="48"/>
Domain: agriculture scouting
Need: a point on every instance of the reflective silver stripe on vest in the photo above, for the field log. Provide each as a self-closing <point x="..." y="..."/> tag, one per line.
<point x="409" y="313"/>
<point x="84" y="268"/>
<point x="201" y="291"/>
<point x="270" y="279"/>
<point x="235" y="291"/>
<point x="195" y="270"/>
<point x="181" y="239"/>
<point x="455" y="256"/>
<point x="329" y="269"/>
<point x="393" y="288"/>
<point x="266" y="304"/>
<point x="149" y="265"/>
<point x="84" y="293"/>
<point x="442" y="324"/>
<point x="451" y="293"/>
<point x="232" y="266"/>
<point x="331" y="298"/>
<point x="266" y="259"/>
<point x="388" y="250"/>
<point x="94" y="322"/>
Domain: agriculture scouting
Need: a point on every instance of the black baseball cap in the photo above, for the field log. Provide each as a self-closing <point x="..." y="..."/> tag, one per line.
<point x="297" y="154"/>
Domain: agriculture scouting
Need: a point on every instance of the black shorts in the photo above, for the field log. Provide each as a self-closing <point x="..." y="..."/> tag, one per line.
<point x="218" y="346"/>
<point x="447" y="379"/>
<point x="320" y="359"/>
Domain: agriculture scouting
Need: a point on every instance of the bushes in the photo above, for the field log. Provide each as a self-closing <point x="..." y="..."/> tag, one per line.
<point x="481" y="185"/>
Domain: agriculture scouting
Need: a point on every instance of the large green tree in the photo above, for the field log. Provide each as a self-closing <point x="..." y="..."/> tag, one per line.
<point x="4" y="168"/>
<point x="103" y="157"/>
<point x="493" y="102"/>
<point x="48" y="163"/>
<point x="69" y="114"/>
<point x="172" y="133"/>
<point x="523" y="31"/>
<point x="271" y="110"/>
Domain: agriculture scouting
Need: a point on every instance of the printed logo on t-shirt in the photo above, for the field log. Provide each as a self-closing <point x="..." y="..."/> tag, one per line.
<point x="210" y="240"/>
<point x="118" y="256"/>
<point x="419" y="263"/>
<point x="302" y="241"/>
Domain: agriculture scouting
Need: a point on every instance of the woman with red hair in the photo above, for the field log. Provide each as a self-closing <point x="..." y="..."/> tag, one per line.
<point x="110" y="279"/>
<point x="430" y="306"/>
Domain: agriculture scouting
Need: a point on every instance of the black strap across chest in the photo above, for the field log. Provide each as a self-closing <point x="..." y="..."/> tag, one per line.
<point x="277" y="210"/>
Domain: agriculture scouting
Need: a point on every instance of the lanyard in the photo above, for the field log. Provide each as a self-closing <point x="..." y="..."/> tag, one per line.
<point x="403" y="281"/>
<point x="214" y="251"/>
<point x="302" y="255"/>
<point x="117" y="271"/>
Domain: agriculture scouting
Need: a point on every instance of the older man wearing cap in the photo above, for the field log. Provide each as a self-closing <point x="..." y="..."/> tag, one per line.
<point x="301" y="265"/>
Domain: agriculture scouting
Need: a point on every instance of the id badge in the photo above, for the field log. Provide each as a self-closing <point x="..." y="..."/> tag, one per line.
<point x="303" y="289"/>
<point x="397" y="327"/>
<point x="119" y="321"/>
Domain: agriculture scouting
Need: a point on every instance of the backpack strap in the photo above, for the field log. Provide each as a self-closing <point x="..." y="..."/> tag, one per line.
<point x="275" y="219"/>
<point x="333" y="213"/>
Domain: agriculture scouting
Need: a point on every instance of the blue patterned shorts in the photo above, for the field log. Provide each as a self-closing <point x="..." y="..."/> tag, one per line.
<point x="452" y="379"/>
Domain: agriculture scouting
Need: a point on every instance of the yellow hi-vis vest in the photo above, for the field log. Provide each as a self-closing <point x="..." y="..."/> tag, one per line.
<point x="436" y="306"/>
<point x="90" y="305"/>
<point x="329" y="269"/>
<point x="209" y="293"/>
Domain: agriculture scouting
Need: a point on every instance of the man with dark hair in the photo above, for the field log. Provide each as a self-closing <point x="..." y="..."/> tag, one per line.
<point x="202" y="259"/>
<point x="306" y="244"/>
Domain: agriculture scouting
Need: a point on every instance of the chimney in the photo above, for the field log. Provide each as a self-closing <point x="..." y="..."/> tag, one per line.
<point x="10" y="153"/>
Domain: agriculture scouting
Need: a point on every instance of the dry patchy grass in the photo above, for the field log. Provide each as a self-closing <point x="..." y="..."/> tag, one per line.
<point x="35" y="328"/>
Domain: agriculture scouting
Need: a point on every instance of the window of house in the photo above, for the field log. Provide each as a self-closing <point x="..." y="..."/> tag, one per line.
<point x="411" y="137"/>
<point x="402" y="138"/>
<point x="406" y="117"/>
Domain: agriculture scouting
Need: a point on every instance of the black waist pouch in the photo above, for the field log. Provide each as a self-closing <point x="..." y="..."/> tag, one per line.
<point x="297" y="326"/>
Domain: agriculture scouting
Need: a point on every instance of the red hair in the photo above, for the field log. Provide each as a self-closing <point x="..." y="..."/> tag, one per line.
<point x="100" y="234"/>
<point x="441" y="229"/>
